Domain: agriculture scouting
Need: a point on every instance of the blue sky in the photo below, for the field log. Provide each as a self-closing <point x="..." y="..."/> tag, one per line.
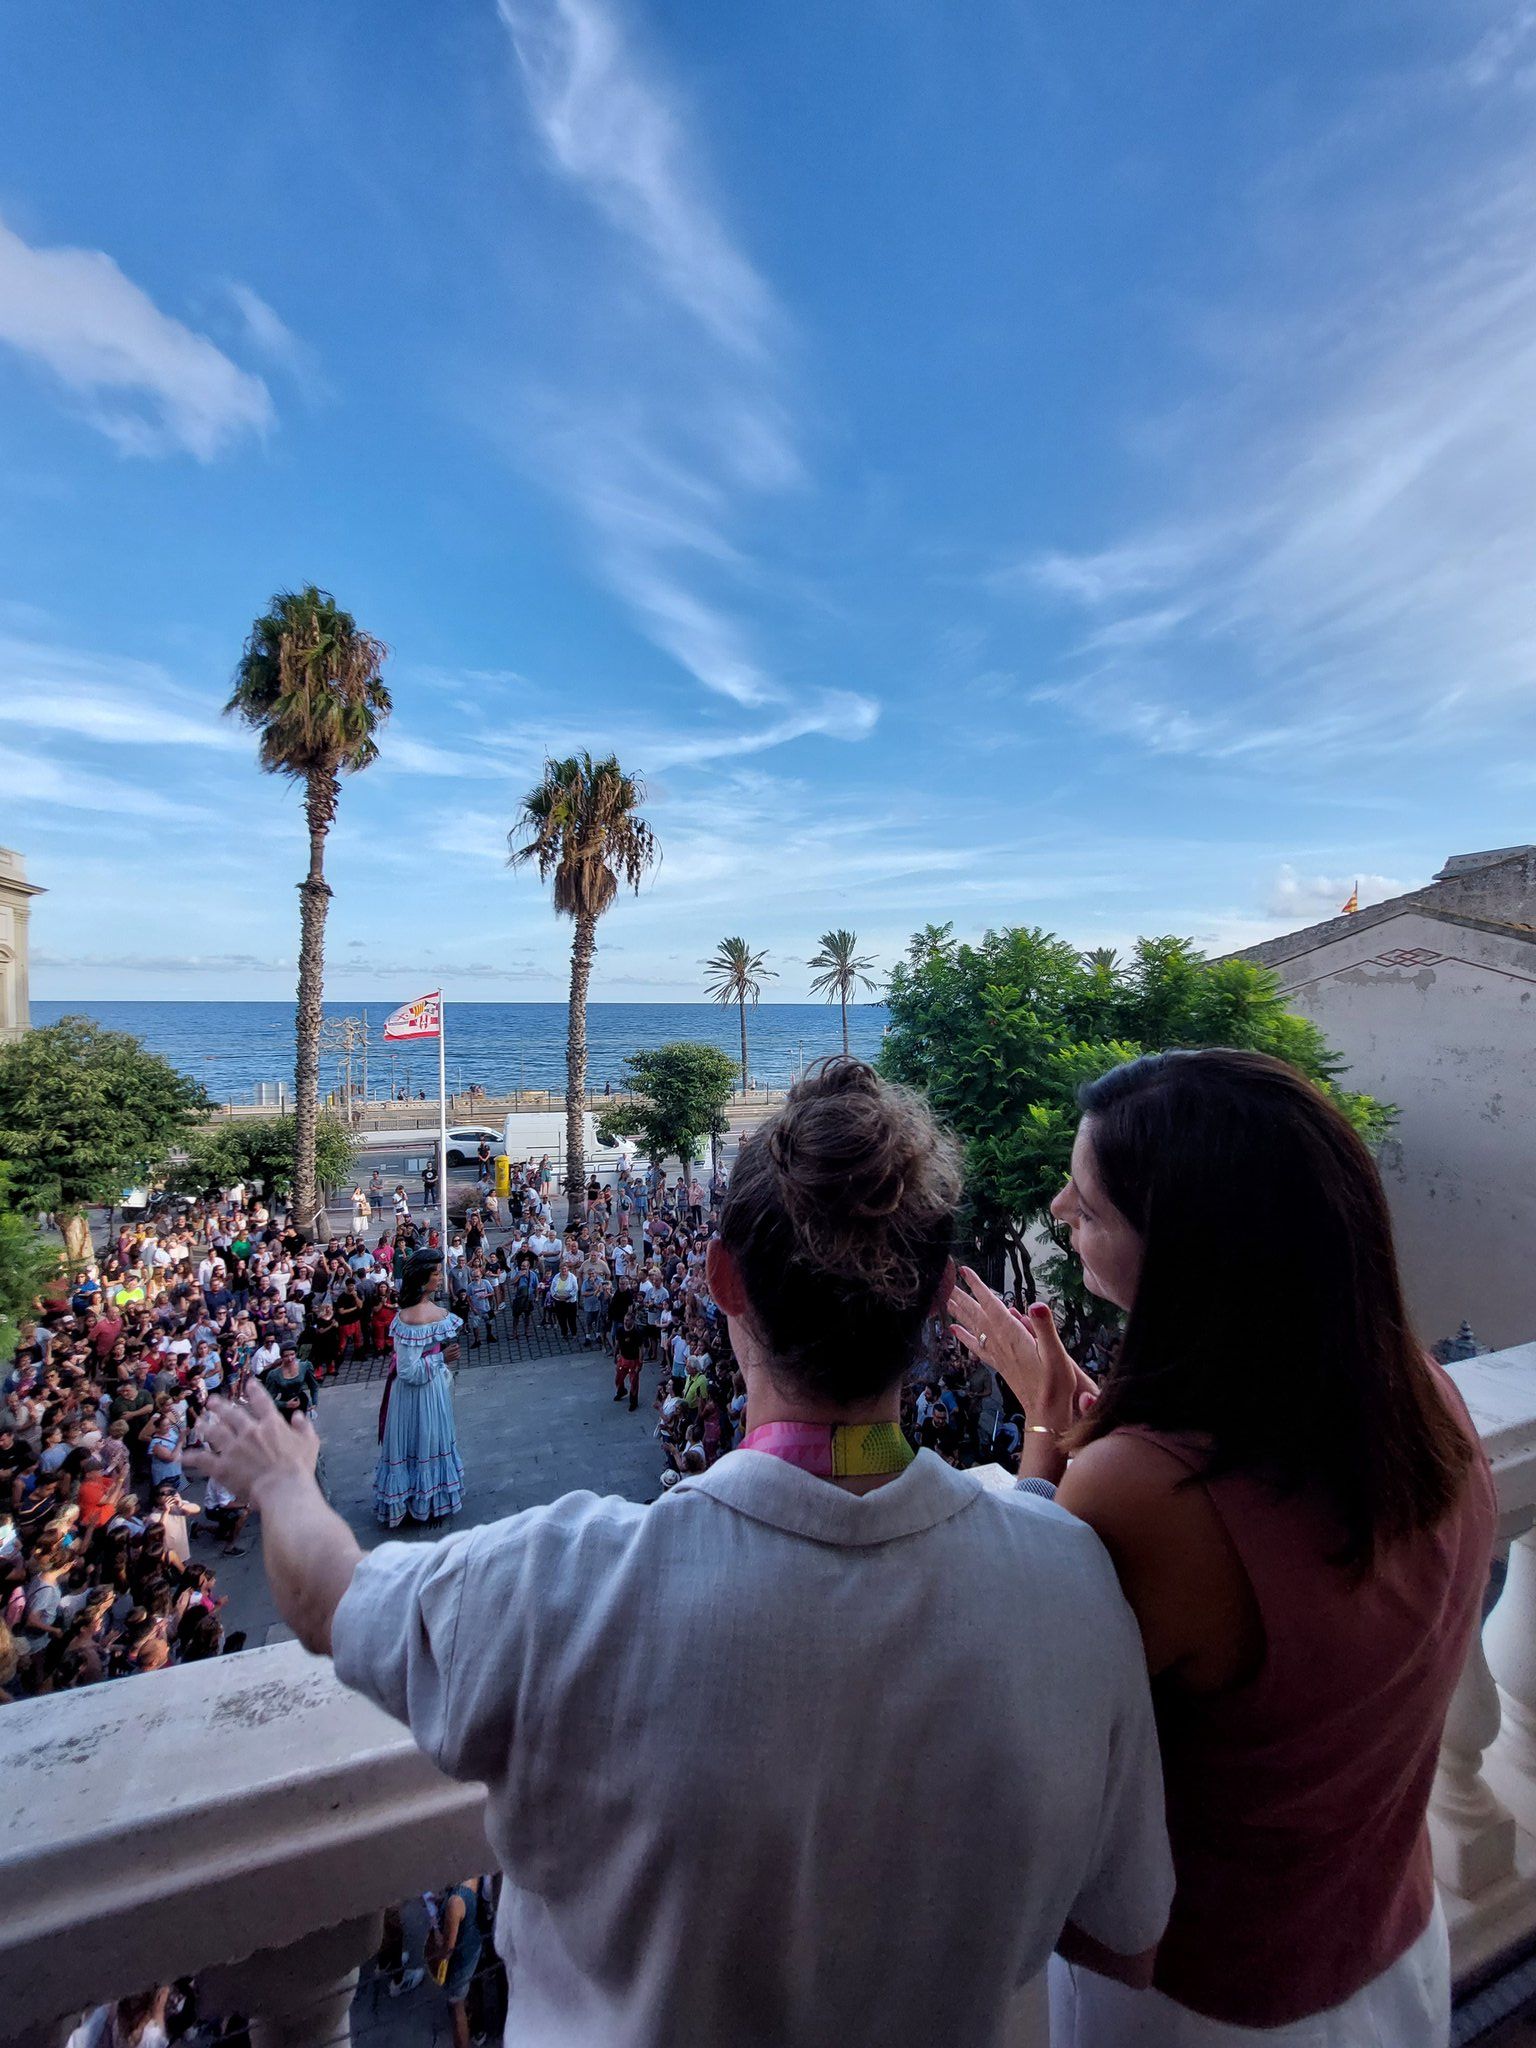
<point x="1009" y="463"/>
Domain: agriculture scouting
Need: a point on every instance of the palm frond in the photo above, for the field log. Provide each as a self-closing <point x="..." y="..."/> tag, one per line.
<point x="580" y="826"/>
<point x="309" y="685"/>
<point x="734" y="973"/>
<point x="843" y="970"/>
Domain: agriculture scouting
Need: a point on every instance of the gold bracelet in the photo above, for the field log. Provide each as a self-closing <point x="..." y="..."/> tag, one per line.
<point x="1040" y="1429"/>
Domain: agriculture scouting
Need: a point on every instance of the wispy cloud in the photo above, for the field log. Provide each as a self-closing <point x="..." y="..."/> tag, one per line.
<point x="164" y="963"/>
<point x="115" y="700"/>
<point x="268" y="332"/>
<point x="1357" y="582"/>
<point x="1505" y="53"/>
<point x="661" y="454"/>
<point x="271" y="337"/>
<point x="145" y="380"/>
<point x="612" y="129"/>
<point x="30" y="779"/>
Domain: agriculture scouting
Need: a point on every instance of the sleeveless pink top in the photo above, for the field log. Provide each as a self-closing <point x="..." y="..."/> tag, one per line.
<point x="1296" y="1802"/>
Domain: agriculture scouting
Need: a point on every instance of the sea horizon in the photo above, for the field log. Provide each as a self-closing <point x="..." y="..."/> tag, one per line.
<point x="234" y="1047"/>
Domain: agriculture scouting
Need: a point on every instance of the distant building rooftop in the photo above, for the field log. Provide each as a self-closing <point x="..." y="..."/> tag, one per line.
<point x="1496" y="889"/>
<point x="1468" y="863"/>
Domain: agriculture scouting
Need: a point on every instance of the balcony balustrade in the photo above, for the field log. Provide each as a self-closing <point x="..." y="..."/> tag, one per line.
<point x="246" y="1820"/>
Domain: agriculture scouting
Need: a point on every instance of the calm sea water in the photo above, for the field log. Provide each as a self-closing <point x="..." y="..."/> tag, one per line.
<point x="232" y="1047"/>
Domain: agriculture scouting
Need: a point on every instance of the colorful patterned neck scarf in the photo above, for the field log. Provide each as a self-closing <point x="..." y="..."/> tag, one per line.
<point x="844" y="1450"/>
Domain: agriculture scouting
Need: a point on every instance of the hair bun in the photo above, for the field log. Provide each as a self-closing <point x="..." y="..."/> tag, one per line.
<point x="853" y="1154"/>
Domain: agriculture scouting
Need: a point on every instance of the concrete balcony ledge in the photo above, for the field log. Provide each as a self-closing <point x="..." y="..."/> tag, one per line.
<point x="1500" y="1392"/>
<point x="163" y="1824"/>
<point x="247" y="1819"/>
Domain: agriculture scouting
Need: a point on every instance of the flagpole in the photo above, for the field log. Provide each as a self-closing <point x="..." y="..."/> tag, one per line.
<point x="442" y="1127"/>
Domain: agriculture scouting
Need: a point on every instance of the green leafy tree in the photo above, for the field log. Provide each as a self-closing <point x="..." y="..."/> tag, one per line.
<point x="581" y="827"/>
<point x="309" y="684"/>
<point x="26" y="1267"/>
<point x="261" y="1151"/>
<point x="1001" y="1034"/>
<point x="681" y="1094"/>
<point x="84" y="1112"/>
<point x="735" y="974"/>
<point x="842" y="973"/>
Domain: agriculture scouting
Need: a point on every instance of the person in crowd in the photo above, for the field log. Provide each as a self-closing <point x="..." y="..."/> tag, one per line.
<point x="564" y="1298"/>
<point x="1302" y="1519"/>
<point x="628" y="1352"/>
<point x="522" y="1659"/>
<point x="419" y="1474"/>
<point x="138" y="2021"/>
<point x="349" y="1320"/>
<point x="524" y="1294"/>
<point x="454" y="1948"/>
<point x="325" y="1338"/>
<point x="293" y="1383"/>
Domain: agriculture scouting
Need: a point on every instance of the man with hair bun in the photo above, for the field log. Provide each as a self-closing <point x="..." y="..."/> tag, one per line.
<point x="702" y="1724"/>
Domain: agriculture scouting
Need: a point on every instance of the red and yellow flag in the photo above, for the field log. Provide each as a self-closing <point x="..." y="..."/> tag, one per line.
<point x="1353" y="904"/>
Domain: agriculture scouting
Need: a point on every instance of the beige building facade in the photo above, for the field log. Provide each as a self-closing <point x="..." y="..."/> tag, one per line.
<point x="1431" y="999"/>
<point x="16" y="894"/>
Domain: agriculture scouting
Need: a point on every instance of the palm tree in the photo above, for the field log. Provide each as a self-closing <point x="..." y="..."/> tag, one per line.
<point x="309" y="684"/>
<point x="843" y="972"/>
<point x="580" y="825"/>
<point x="736" y="976"/>
<point x="1103" y="959"/>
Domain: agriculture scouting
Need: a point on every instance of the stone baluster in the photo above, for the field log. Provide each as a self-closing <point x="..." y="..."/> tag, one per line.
<point x="1472" y="1834"/>
<point x="299" y="1996"/>
<point x="1510" y="1640"/>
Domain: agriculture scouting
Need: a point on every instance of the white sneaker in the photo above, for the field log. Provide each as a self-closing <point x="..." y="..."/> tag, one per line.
<point x="406" y="1981"/>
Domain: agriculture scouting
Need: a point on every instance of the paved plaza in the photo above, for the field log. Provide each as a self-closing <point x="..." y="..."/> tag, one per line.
<point x="535" y="1419"/>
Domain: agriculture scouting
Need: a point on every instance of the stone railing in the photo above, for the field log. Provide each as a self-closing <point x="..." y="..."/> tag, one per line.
<point x="1482" y="1817"/>
<point x="247" y="1820"/>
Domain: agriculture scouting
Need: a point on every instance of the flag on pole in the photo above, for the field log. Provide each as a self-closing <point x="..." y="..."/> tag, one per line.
<point x="1348" y="911"/>
<point x="420" y="1019"/>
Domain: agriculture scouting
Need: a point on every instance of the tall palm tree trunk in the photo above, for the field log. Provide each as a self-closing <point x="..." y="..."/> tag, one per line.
<point x="320" y="795"/>
<point x="583" y="945"/>
<point x="843" y="999"/>
<point x="741" y="1005"/>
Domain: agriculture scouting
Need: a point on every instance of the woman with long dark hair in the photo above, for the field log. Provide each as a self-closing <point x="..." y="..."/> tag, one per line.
<point x="419" y="1473"/>
<point x="1302" y="1520"/>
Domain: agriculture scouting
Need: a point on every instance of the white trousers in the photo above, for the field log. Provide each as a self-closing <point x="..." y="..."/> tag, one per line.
<point x="1407" y="2006"/>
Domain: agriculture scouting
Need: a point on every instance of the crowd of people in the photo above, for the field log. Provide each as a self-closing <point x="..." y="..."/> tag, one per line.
<point x="108" y="1550"/>
<point x="628" y="1278"/>
<point x="107" y="1547"/>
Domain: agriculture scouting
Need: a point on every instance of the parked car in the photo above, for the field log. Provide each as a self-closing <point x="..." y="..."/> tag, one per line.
<point x="464" y="1142"/>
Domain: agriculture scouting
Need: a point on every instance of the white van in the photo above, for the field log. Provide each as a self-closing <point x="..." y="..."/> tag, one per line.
<point x="528" y="1134"/>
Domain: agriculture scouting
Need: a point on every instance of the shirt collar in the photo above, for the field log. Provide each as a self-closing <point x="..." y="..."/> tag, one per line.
<point x="769" y="1490"/>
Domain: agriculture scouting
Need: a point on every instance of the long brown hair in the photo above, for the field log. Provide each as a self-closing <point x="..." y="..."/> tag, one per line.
<point x="1269" y="1315"/>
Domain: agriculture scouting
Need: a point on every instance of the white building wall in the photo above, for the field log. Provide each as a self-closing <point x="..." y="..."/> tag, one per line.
<point x="16" y="894"/>
<point x="1440" y="1019"/>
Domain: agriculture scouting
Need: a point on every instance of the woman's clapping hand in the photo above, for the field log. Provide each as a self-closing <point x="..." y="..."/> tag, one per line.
<point x="1025" y="1351"/>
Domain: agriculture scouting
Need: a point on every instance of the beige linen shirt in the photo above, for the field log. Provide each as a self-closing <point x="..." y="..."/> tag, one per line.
<point x="771" y="1762"/>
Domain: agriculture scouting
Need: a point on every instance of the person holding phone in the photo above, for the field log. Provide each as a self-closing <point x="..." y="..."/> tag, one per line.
<point x="1302" y="1519"/>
